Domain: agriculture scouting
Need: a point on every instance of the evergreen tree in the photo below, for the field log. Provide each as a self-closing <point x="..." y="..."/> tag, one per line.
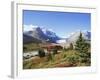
<point x="82" y="47"/>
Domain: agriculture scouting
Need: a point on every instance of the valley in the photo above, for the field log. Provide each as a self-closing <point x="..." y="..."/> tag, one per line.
<point x="50" y="51"/>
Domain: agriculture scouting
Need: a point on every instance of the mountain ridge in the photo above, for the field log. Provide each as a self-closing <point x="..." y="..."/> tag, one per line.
<point x="46" y="35"/>
<point x="40" y="34"/>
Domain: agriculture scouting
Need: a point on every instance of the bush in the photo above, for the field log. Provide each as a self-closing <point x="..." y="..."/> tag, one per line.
<point x="55" y="51"/>
<point x="64" y="55"/>
<point x="50" y="57"/>
<point x="65" y="49"/>
<point x="73" y="59"/>
<point x="41" y="53"/>
<point x="71" y="46"/>
<point x="58" y="47"/>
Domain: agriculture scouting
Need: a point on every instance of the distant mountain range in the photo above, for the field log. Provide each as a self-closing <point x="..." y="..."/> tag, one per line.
<point x="42" y="35"/>
<point x="73" y="37"/>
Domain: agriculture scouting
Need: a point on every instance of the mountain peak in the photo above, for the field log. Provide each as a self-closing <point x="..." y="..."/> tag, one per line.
<point x="85" y="33"/>
<point x="43" y="34"/>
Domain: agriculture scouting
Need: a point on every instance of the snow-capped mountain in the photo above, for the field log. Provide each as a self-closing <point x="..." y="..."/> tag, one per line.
<point x="87" y="35"/>
<point x="36" y="33"/>
<point x="47" y="35"/>
<point x="50" y="34"/>
<point x="73" y="37"/>
<point x="43" y="35"/>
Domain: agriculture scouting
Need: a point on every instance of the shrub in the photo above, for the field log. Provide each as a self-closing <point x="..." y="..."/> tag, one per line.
<point x="54" y="51"/>
<point x="41" y="53"/>
<point x="64" y="55"/>
<point x="58" y="47"/>
<point x="65" y="49"/>
<point x="50" y="57"/>
<point x="73" y="59"/>
<point x="71" y="46"/>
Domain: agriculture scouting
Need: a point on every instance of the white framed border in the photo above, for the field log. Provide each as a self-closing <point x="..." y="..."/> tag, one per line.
<point x="17" y="68"/>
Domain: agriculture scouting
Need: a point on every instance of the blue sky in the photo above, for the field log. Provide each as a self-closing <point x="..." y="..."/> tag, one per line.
<point x="62" y="23"/>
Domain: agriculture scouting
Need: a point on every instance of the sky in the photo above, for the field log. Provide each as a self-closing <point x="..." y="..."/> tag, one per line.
<point x="62" y="23"/>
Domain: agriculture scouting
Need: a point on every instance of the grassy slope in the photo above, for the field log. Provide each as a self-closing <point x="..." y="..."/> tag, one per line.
<point x="68" y="58"/>
<point x="30" y="47"/>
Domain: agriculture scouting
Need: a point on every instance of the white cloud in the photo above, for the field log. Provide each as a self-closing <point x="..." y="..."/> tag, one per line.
<point x="29" y="27"/>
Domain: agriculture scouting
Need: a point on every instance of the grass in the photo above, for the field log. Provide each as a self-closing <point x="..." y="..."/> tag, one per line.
<point x="30" y="47"/>
<point x="69" y="58"/>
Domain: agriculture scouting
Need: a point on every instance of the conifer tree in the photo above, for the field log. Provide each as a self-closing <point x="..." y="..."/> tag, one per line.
<point x="82" y="47"/>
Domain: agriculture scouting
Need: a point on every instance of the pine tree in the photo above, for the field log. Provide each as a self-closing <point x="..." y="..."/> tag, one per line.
<point x="82" y="47"/>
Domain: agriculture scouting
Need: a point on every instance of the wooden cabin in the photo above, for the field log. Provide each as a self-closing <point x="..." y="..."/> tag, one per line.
<point x="49" y="48"/>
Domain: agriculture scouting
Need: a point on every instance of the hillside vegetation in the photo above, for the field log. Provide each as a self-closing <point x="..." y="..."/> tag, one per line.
<point x="73" y="56"/>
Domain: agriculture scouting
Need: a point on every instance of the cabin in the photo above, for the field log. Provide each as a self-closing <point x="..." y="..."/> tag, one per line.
<point x="50" y="48"/>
